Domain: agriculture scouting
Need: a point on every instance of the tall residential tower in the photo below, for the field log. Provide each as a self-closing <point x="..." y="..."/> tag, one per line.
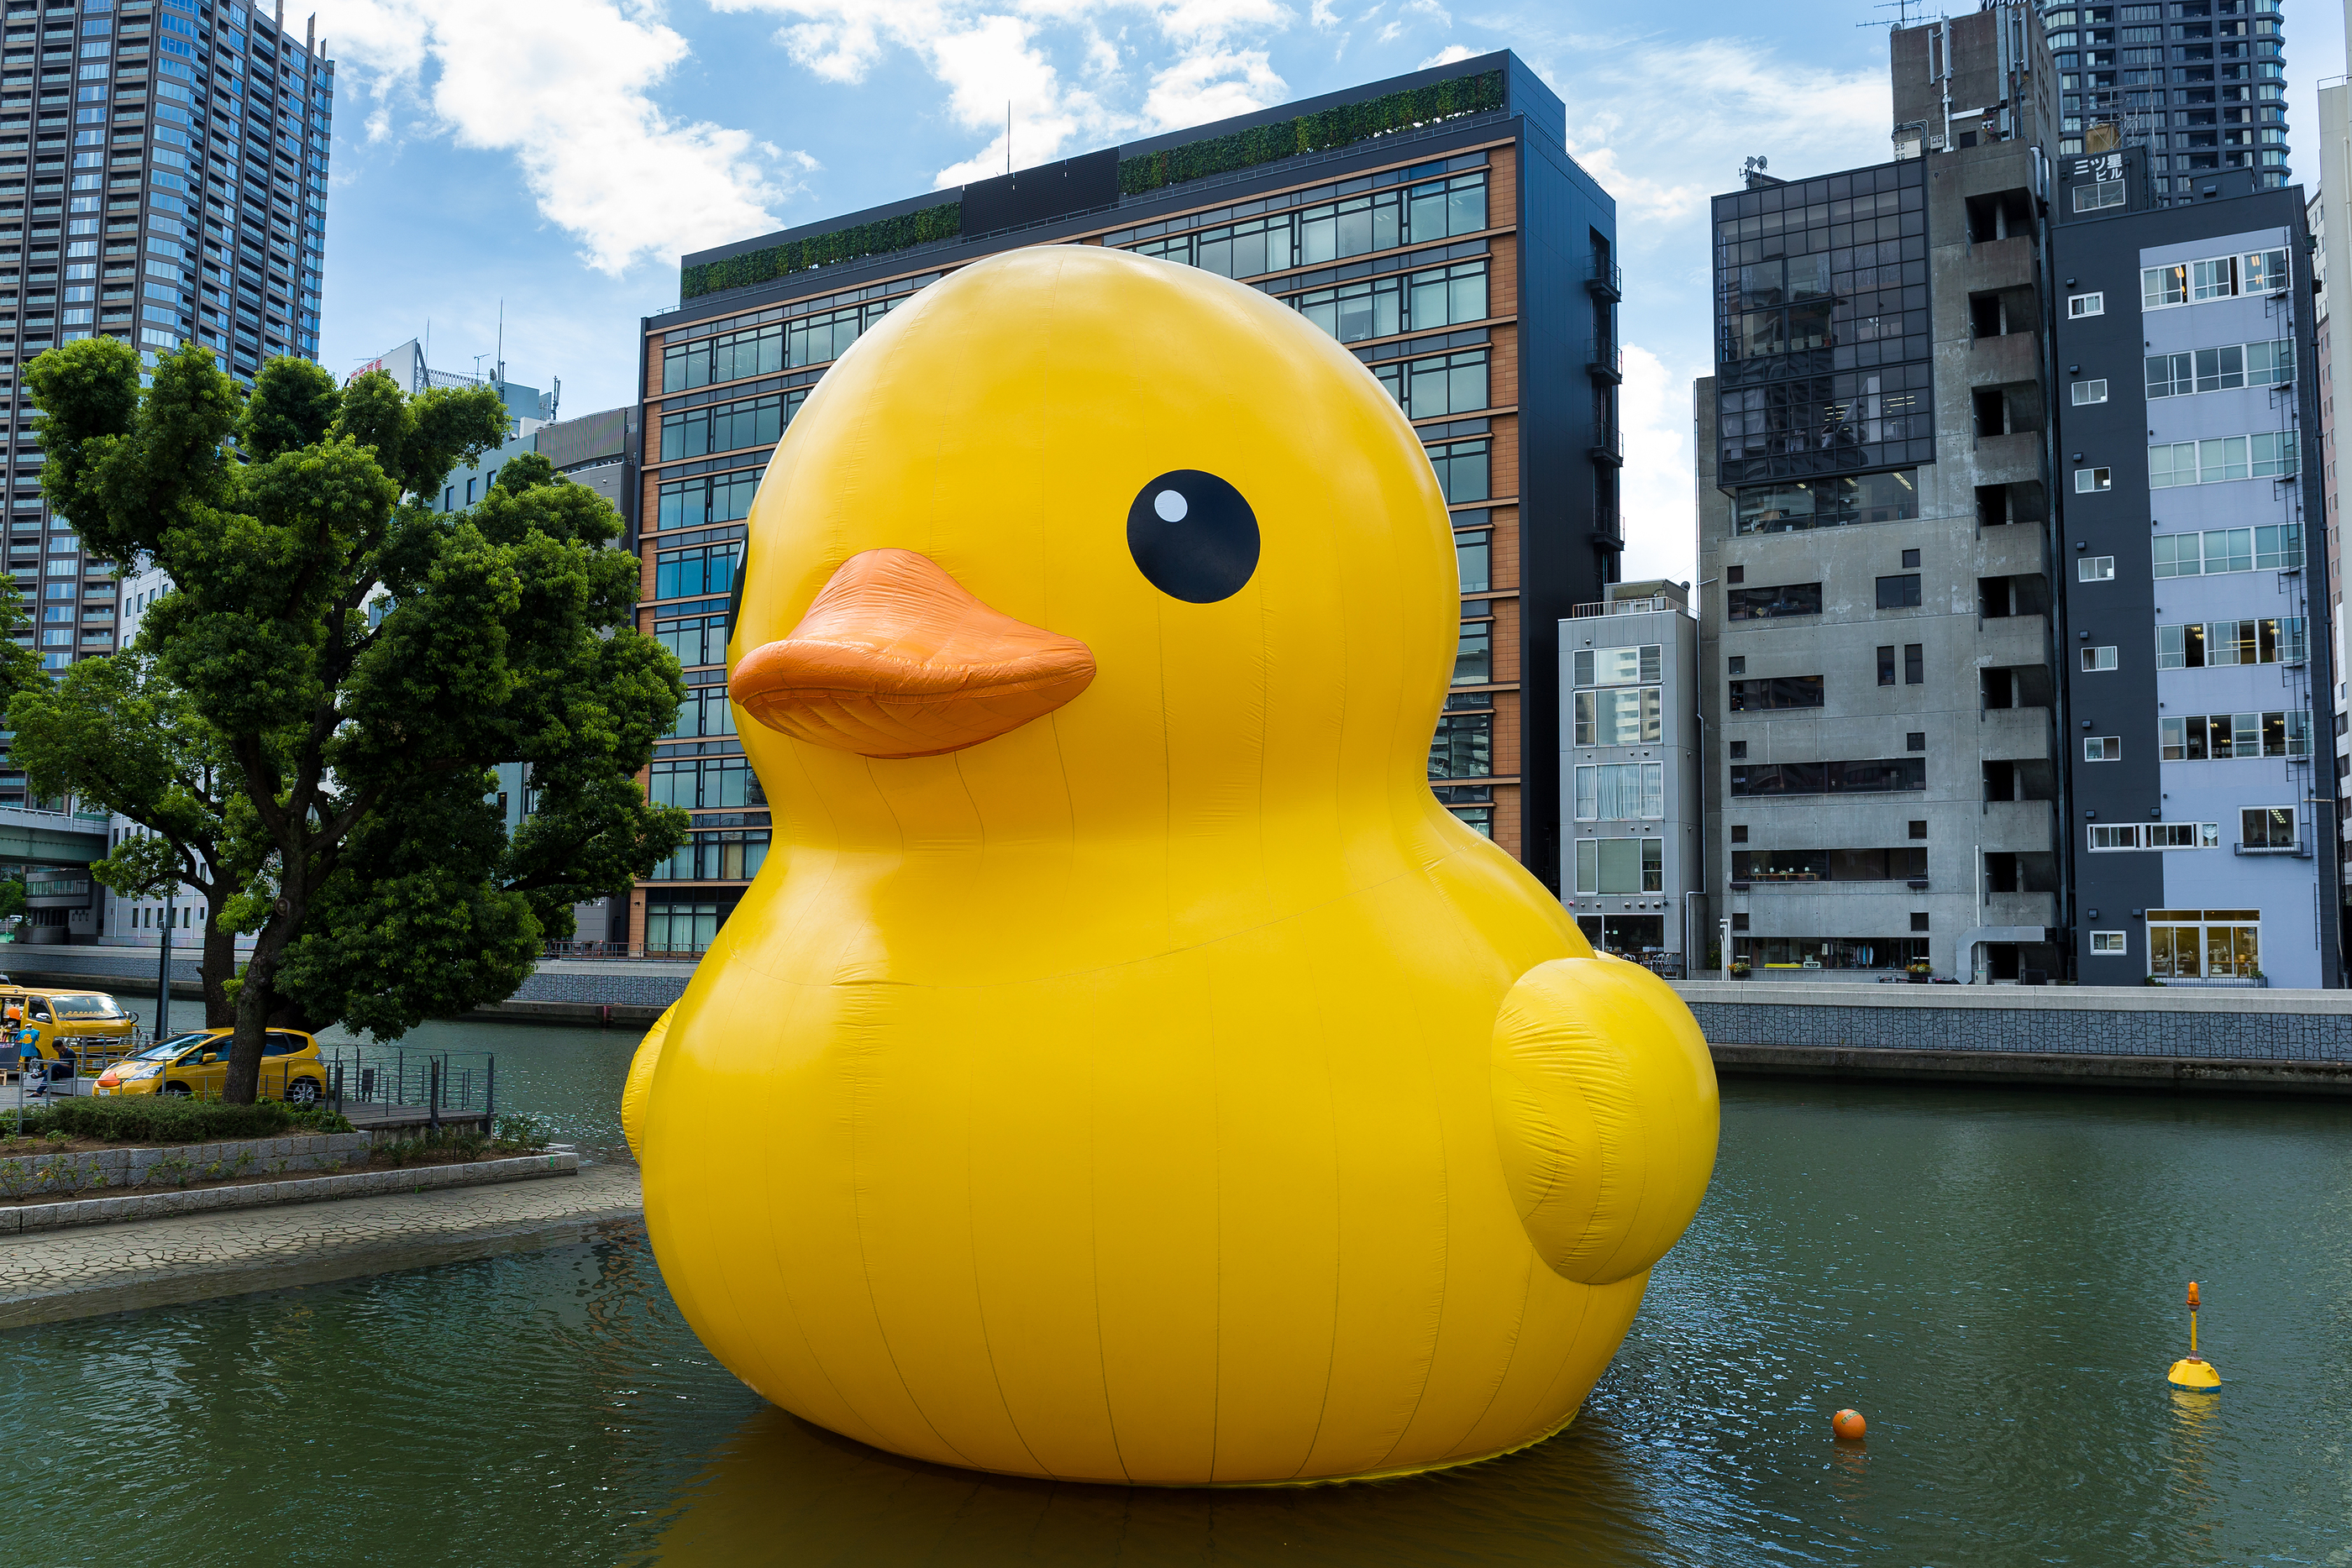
<point x="2202" y="84"/>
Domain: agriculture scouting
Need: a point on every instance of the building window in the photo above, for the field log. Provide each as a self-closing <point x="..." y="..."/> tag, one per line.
<point x="1735" y="574"/>
<point x="1738" y="751"/>
<point x="1918" y="921"/>
<point x="1736" y="666"/>
<point x="2097" y="659"/>
<point x="729" y="426"/>
<point x="2093" y="304"/>
<point x="1770" y="603"/>
<point x="2108" y="944"/>
<point x="1635" y="665"/>
<point x="733" y="854"/>
<point x="1776" y="692"/>
<point x="1826" y="503"/>
<point x="2204" y="943"/>
<point x="719" y="499"/>
<point x="694" y="639"/>
<point x="1628" y="717"/>
<point x="704" y="782"/>
<point x="1473" y="654"/>
<point x="1621" y="793"/>
<point x="2102" y="748"/>
<point x="1462" y="470"/>
<point x="1871" y="777"/>
<point x="2267" y="828"/>
<point x="685" y="929"/>
<point x="2270" y="362"/>
<point x="705" y="568"/>
<point x="2227" y="737"/>
<point x="469" y="490"/>
<point x="2273" y="548"/>
<point x="2094" y="568"/>
<point x="2090" y="392"/>
<point x="2275" y="640"/>
<point x="1915" y="740"/>
<point x="1885" y="953"/>
<point x="1886" y="666"/>
<point x="1442" y="384"/>
<point x="1910" y="557"/>
<point x="2100" y="193"/>
<point x="2264" y="455"/>
<point x="1473" y="558"/>
<point x="1915" y="664"/>
<point x="1899" y="592"/>
<point x="2090" y="481"/>
<point x="1621" y="865"/>
<point x="1464" y="746"/>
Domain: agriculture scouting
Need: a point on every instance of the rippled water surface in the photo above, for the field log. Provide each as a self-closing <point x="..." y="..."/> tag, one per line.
<point x="1993" y="1279"/>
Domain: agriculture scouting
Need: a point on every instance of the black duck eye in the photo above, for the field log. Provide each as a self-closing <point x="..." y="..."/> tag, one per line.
<point x="1193" y="536"/>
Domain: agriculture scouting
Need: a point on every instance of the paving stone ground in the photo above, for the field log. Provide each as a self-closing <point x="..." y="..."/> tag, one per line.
<point x="154" y="1262"/>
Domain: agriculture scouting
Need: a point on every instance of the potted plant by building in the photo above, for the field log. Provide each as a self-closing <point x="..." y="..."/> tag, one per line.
<point x="1919" y="970"/>
<point x="1739" y="968"/>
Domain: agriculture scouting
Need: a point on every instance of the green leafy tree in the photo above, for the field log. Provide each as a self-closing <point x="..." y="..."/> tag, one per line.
<point x="331" y="770"/>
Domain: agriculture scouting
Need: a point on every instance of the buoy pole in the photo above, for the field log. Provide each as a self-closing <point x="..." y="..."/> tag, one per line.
<point x="2193" y="1371"/>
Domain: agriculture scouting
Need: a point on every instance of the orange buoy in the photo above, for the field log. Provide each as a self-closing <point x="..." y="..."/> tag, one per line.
<point x="1848" y="1425"/>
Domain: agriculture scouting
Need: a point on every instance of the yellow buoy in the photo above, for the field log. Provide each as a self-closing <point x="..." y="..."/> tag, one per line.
<point x="2193" y="1371"/>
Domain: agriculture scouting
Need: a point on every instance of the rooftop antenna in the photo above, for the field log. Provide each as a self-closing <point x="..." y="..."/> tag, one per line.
<point x="1008" y="136"/>
<point x="498" y="364"/>
<point x="478" y="367"/>
<point x="1902" y="9"/>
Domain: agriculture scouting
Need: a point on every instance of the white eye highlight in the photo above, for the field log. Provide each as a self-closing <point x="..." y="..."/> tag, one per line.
<point x="1170" y="506"/>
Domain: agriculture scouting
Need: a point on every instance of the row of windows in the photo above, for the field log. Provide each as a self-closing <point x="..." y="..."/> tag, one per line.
<point x="733" y="854"/>
<point x="1637" y="664"/>
<point x="1406" y="302"/>
<point x="1621" y="793"/>
<point x="2223" y="278"/>
<point x="704" y="781"/>
<point x="713" y="499"/>
<point x="1836" y="502"/>
<point x="2224" y="736"/>
<point x="764" y="351"/>
<point x="2275" y="548"/>
<point x="2270" y="455"/>
<point x="1898" y="864"/>
<point x="1772" y="692"/>
<point x="1814" y="415"/>
<point x="1770" y="603"/>
<point x="1464" y="746"/>
<point x="703" y="569"/>
<point x="694" y="639"/>
<point x="1867" y="778"/>
<point x="2225" y="369"/>
<point x="2272" y="639"/>
<point x="2259" y="827"/>
<point x="1440" y="384"/>
<point x="1385" y="220"/>
<point x="1621" y="865"/>
<point x="705" y="712"/>
<point x="729" y="427"/>
<point x="1465" y="471"/>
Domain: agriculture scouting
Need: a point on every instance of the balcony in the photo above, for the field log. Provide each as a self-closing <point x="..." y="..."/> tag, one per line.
<point x="2019" y="909"/>
<point x="2017" y="827"/>
<point x="2007" y="641"/>
<point x="1604" y="361"/>
<point x="1608" y="446"/>
<point x="1604" y="280"/>
<point x="2004" y="361"/>
<point x="2300" y="850"/>
<point x="2012" y="459"/>
<point x="1994" y="264"/>
<point x="2012" y="549"/>
<point x="2014" y="735"/>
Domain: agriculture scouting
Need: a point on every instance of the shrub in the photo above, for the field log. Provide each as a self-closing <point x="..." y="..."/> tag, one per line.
<point x="878" y="239"/>
<point x="519" y="1130"/>
<point x="168" y="1119"/>
<point x="1336" y="127"/>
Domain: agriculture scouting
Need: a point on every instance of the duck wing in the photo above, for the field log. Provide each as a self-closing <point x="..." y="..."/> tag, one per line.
<point x="639" y="1088"/>
<point x="1606" y="1112"/>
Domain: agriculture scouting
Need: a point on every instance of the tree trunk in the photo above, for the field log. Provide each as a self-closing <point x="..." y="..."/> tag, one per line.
<point x="256" y="1000"/>
<point x="219" y="968"/>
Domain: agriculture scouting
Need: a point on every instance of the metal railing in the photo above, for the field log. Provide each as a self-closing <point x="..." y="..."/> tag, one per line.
<point x="1605" y="278"/>
<point x="613" y="950"/>
<point x="1604" y="357"/>
<point x="439" y="1082"/>
<point x="1609" y="444"/>
<point x="1627" y="607"/>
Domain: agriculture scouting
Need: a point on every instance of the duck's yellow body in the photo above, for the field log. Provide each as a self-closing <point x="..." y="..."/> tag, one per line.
<point x="1163" y="1088"/>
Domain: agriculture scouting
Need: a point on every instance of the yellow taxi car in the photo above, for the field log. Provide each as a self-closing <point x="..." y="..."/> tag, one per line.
<point x="67" y="1032"/>
<point x="197" y="1064"/>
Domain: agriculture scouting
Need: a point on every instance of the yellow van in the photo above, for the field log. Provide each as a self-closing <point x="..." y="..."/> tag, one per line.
<point x="72" y="1032"/>
<point x="197" y="1064"/>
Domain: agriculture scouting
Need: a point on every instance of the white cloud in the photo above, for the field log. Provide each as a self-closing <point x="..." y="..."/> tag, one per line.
<point x="565" y="87"/>
<point x="1655" y="488"/>
<point x="1207" y="59"/>
<point x="1447" y="56"/>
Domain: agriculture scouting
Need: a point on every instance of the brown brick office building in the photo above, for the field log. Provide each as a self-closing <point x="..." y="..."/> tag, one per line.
<point x="1433" y="223"/>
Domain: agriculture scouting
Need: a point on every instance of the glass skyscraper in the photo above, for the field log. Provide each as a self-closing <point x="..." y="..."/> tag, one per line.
<point x="2202" y="84"/>
<point x="178" y="153"/>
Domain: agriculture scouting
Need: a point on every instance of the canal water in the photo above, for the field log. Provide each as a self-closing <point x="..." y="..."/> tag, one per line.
<point x="1993" y="1279"/>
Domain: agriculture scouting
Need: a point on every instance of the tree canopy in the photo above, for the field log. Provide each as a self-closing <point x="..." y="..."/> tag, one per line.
<point x="310" y="718"/>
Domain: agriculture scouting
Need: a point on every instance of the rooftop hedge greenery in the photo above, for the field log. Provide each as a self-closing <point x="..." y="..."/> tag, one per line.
<point x="1336" y="127"/>
<point x="878" y="239"/>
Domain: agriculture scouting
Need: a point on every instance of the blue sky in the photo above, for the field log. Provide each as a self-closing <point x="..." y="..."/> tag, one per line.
<point x="559" y="154"/>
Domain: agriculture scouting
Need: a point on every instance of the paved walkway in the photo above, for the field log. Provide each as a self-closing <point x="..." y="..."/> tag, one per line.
<point x="156" y="1262"/>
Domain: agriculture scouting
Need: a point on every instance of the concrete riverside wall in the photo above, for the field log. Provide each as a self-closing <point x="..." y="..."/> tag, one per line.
<point x="2233" y="1025"/>
<point x="34" y="1172"/>
<point x="21" y="1218"/>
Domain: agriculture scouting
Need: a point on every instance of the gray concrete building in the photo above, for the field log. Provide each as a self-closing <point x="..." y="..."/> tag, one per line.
<point x="1877" y="643"/>
<point x="2200" y="84"/>
<point x="1629" y="776"/>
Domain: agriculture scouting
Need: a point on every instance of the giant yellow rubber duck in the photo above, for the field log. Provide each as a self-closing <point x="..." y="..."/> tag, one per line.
<point x="1123" y="1069"/>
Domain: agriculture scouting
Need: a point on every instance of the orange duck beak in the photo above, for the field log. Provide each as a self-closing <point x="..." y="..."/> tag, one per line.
<point x="895" y="659"/>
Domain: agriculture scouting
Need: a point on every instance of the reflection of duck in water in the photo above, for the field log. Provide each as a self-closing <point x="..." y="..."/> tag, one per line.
<point x="1123" y="1069"/>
